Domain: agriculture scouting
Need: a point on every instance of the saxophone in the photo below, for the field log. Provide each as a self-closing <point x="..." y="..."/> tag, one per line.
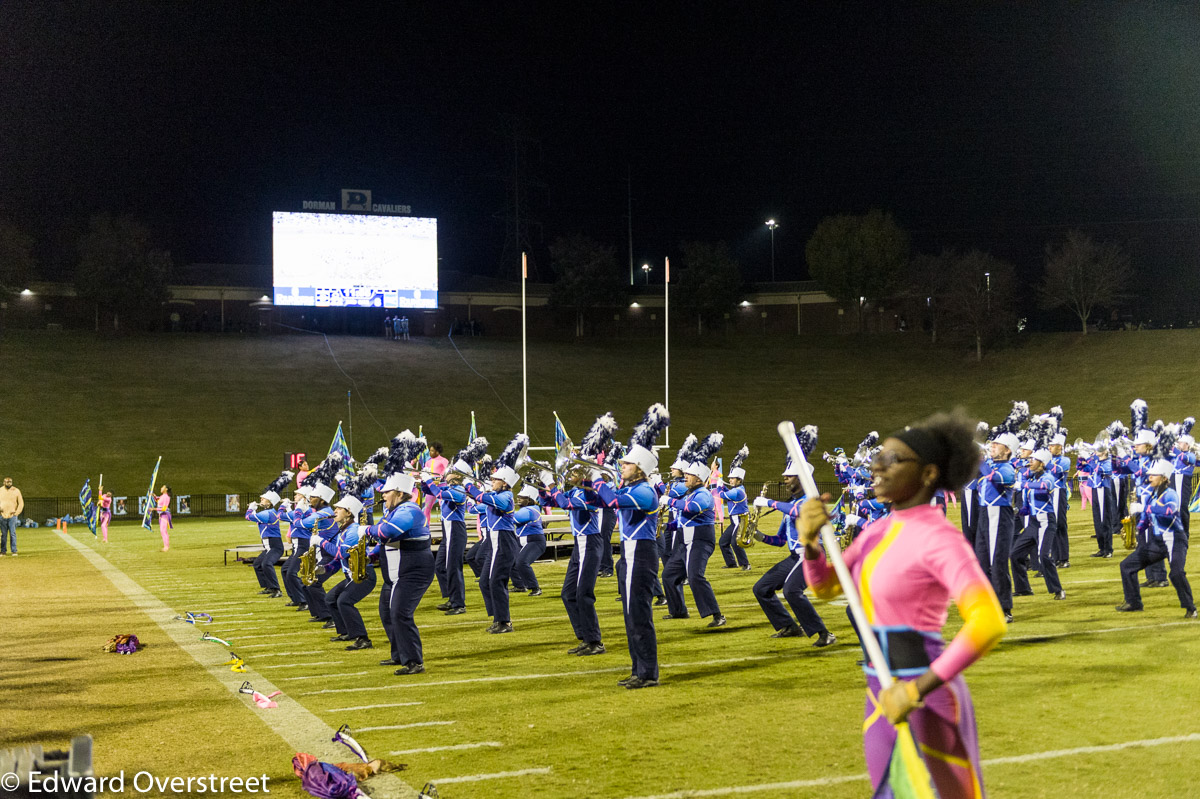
<point x="750" y="525"/>
<point x="308" y="566"/>
<point x="356" y="560"/>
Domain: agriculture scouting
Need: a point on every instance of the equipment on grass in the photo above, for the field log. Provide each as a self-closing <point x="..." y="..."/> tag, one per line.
<point x="746" y="537"/>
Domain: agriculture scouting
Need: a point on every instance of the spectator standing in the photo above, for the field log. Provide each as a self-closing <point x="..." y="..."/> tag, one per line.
<point x="404" y="327"/>
<point x="387" y="326"/>
<point x="396" y="327"/>
<point x="11" y="505"/>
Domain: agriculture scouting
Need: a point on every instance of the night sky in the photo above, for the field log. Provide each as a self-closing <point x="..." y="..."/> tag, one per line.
<point x="994" y="126"/>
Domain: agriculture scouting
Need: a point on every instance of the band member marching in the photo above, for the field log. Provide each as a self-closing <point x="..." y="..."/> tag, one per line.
<point x="788" y="574"/>
<point x="498" y="506"/>
<point x="583" y="507"/>
<point x="695" y="509"/>
<point x="265" y="514"/>
<point x="995" y="531"/>
<point x="319" y="522"/>
<point x="1039" y="535"/>
<point x="734" y="495"/>
<point x="452" y="504"/>
<point x="344" y="597"/>
<point x="636" y="501"/>
<point x="528" y="518"/>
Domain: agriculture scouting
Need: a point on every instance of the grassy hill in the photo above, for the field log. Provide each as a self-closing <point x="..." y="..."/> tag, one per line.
<point x="222" y="410"/>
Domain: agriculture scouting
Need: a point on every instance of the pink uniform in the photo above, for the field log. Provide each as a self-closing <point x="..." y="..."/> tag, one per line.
<point x="105" y="514"/>
<point x="907" y="567"/>
<point x="437" y="466"/>
<point x="163" y="506"/>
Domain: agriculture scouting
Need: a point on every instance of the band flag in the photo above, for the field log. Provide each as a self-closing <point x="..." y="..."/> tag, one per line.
<point x="561" y="439"/>
<point x="339" y="445"/>
<point x="89" y="507"/>
<point x="150" y="503"/>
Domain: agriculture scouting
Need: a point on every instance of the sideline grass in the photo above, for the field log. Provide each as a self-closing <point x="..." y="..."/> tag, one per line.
<point x="223" y="410"/>
<point x="736" y="708"/>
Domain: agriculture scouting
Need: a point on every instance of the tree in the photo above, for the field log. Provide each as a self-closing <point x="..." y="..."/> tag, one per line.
<point x="927" y="280"/>
<point x="980" y="298"/>
<point x="1082" y="275"/>
<point x="857" y="258"/>
<point x="586" y="276"/>
<point x="16" y="258"/>
<point x="709" y="283"/>
<point x="120" y="272"/>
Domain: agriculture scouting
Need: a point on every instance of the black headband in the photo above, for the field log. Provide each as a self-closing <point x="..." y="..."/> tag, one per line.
<point x="929" y="448"/>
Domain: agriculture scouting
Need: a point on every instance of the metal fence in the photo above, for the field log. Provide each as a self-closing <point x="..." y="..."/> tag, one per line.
<point x="218" y="505"/>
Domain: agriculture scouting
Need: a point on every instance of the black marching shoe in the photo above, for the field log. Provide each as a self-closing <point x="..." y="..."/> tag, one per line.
<point x="1125" y="607"/>
<point x="455" y="611"/>
<point x="717" y="621"/>
<point x="302" y="608"/>
<point x="1022" y="593"/>
<point x="497" y="628"/>
<point x="1148" y="584"/>
<point x="265" y="591"/>
<point x="536" y="592"/>
<point x="746" y="568"/>
<point x="390" y="662"/>
<point x="1097" y="555"/>
<point x="444" y="606"/>
<point x="329" y="625"/>
<point x="1060" y="595"/>
<point x="792" y="631"/>
<point x="1064" y="564"/>
<point x="1190" y="614"/>
<point x="660" y="601"/>
<point x="1008" y="617"/>
<point x="575" y="650"/>
<point x="291" y="604"/>
<point x="1162" y="584"/>
<point x="606" y="574"/>
<point x="625" y="681"/>
<point x="673" y="616"/>
<point x="638" y="682"/>
<point x="825" y="639"/>
<point x="594" y="648"/>
<point x="276" y="595"/>
<point x="341" y="637"/>
<point x="360" y="643"/>
<point x="321" y="619"/>
<point x="412" y="668"/>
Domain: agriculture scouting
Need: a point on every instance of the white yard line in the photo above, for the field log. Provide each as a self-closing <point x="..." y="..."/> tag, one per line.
<point x="454" y="748"/>
<point x="357" y="730"/>
<point x="325" y="676"/>
<point x="498" y="775"/>
<point x="371" y="707"/>
<point x="302" y="665"/>
<point x="996" y="761"/>
<point x="295" y="725"/>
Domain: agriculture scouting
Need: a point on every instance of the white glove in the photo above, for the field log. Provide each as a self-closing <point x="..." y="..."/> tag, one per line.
<point x="852" y="520"/>
<point x="547" y="479"/>
<point x="655" y="478"/>
<point x="762" y="502"/>
<point x="285" y="504"/>
<point x="252" y="507"/>
<point x="1135" y="507"/>
<point x="663" y="500"/>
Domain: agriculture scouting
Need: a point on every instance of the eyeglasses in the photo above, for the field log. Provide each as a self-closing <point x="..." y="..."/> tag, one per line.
<point x="887" y="459"/>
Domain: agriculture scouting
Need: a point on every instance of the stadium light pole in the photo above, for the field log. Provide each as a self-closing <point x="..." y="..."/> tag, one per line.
<point x="667" y="339"/>
<point x="524" y="361"/>
<point x="772" y="224"/>
<point x="646" y="270"/>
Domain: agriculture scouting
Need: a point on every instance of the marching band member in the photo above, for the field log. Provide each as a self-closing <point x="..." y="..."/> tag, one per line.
<point x="671" y="546"/>
<point x="452" y="503"/>
<point x="735" y="496"/>
<point x="292" y="512"/>
<point x="994" y="535"/>
<point x="637" y="503"/>
<point x="501" y="544"/>
<point x="695" y="509"/>
<point x="788" y="574"/>
<point x="1039" y="533"/>
<point x="909" y="566"/>
<point x="344" y="597"/>
<point x="409" y="561"/>
<point x="319" y="522"/>
<point x="1099" y="477"/>
<point x="528" y="518"/>
<point x="1136" y="467"/>
<point x="1162" y="536"/>
<point x="104" y="506"/>
<point x="583" y="506"/>
<point x="264" y="514"/>
<point x="1185" y="466"/>
<point x="1060" y="470"/>
<point x="163" y="507"/>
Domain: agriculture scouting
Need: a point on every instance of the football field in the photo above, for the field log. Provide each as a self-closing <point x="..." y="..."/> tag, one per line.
<point x="1077" y="700"/>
